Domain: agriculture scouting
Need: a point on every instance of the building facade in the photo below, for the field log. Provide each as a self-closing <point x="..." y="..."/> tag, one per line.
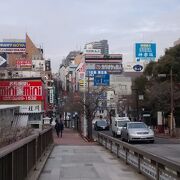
<point x="102" y="45"/>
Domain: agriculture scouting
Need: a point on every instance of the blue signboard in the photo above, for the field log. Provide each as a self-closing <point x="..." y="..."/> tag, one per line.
<point x="138" y="67"/>
<point x="145" y="51"/>
<point x="101" y="79"/>
<point x="92" y="72"/>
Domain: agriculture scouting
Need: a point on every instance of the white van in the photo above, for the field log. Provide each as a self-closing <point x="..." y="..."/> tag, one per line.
<point x="117" y="124"/>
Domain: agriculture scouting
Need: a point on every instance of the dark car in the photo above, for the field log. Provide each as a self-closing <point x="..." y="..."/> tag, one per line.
<point x="101" y="125"/>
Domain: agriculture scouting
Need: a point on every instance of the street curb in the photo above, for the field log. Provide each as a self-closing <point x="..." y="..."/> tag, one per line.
<point x="167" y="137"/>
<point x="35" y="174"/>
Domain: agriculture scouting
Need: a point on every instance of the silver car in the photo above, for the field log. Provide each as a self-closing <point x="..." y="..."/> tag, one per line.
<point x="137" y="131"/>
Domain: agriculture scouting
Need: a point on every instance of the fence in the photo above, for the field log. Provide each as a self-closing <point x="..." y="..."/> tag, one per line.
<point x="18" y="159"/>
<point x="146" y="163"/>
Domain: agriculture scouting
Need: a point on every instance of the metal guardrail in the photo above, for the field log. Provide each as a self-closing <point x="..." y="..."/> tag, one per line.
<point x="19" y="158"/>
<point x="150" y="165"/>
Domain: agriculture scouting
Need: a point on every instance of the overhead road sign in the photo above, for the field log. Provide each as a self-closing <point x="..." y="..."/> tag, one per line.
<point x="101" y="80"/>
<point x="145" y="51"/>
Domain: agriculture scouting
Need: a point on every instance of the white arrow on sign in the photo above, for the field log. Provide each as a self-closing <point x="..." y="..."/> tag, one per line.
<point x="2" y="60"/>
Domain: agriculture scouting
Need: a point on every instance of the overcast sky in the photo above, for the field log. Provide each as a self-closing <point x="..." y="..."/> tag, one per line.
<point x="64" y="25"/>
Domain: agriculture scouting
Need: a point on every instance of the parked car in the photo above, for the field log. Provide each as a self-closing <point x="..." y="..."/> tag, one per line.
<point x="101" y="125"/>
<point x="137" y="131"/>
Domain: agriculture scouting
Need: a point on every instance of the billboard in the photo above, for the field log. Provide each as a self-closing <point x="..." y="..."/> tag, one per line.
<point x="134" y="66"/>
<point x="145" y="51"/>
<point x="101" y="80"/>
<point x="23" y="63"/>
<point x="110" y="68"/>
<point x="111" y="63"/>
<point x="22" y="90"/>
<point x="12" y="47"/>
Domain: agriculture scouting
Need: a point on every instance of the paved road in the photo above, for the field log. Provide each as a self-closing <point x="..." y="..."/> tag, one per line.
<point x="168" y="148"/>
<point x="158" y="140"/>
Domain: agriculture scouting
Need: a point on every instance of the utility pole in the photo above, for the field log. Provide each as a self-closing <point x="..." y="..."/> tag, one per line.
<point x="85" y="120"/>
<point x="137" y="103"/>
<point x="172" y="121"/>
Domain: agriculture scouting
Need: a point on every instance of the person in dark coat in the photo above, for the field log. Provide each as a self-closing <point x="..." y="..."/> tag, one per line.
<point x="57" y="128"/>
<point x="61" y="127"/>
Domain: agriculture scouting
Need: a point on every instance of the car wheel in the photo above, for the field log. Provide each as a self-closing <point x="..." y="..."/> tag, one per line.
<point x="152" y="141"/>
<point x="113" y="134"/>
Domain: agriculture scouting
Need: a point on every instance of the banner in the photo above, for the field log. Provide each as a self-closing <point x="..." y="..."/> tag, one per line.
<point x="23" y="63"/>
<point x="12" y="47"/>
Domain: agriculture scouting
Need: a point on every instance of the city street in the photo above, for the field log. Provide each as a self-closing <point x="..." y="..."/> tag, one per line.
<point x="167" y="148"/>
<point x="158" y="140"/>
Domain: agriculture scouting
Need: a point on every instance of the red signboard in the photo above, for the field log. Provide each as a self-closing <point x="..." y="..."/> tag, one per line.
<point x="21" y="90"/>
<point x="23" y="63"/>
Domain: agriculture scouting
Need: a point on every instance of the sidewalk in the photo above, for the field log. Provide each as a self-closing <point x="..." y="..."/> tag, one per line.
<point x="75" y="159"/>
<point x="70" y="137"/>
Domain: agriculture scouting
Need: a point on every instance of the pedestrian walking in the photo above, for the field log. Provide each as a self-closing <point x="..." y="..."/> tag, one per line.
<point x="57" y="128"/>
<point x="61" y="127"/>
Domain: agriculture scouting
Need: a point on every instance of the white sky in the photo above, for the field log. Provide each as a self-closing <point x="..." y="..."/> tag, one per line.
<point x="64" y="25"/>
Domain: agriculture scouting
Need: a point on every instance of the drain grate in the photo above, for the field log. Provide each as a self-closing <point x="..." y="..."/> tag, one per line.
<point x="46" y="172"/>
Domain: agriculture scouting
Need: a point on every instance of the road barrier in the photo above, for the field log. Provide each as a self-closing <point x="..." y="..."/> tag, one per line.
<point x="150" y="165"/>
<point x="19" y="158"/>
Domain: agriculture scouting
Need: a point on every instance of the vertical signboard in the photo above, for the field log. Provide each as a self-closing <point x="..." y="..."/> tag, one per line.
<point x="51" y="96"/>
<point x="145" y="51"/>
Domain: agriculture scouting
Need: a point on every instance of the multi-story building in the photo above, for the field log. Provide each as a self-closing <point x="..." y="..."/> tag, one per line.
<point x="19" y="59"/>
<point x="102" y="45"/>
<point x="70" y="58"/>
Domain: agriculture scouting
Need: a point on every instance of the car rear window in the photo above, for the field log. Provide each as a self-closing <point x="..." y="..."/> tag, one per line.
<point x="101" y="123"/>
<point x="122" y="123"/>
<point x="136" y="125"/>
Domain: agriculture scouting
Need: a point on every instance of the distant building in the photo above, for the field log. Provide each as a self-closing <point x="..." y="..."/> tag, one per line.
<point x="177" y="42"/>
<point x="102" y="45"/>
<point x="70" y="58"/>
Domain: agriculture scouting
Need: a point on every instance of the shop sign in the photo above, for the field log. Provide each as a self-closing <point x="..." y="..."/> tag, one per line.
<point x="32" y="108"/>
<point x="21" y="90"/>
<point x="23" y="63"/>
